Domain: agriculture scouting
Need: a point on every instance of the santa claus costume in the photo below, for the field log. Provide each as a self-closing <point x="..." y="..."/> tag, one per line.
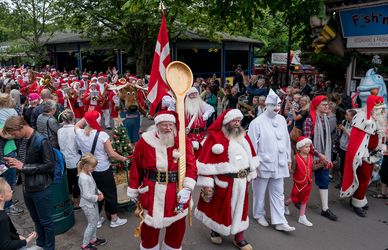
<point x="302" y="177"/>
<point x="226" y="164"/>
<point x="104" y="92"/>
<point x="153" y="180"/>
<point x="62" y="94"/>
<point x="92" y="101"/>
<point x="75" y="100"/>
<point x="365" y="149"/>
<point x="114" y="100"/>
<point x="197" y="112"/>
<point x="271" y="140"/>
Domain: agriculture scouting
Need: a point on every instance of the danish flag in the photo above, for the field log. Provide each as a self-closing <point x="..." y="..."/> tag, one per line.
<point x="157" y="86"/>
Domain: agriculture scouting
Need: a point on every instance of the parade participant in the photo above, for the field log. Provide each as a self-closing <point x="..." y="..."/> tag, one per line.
<point x="75" y="100"/>
<point x="92" y="98"/>
<point x="85" y="81"/>
<point x="197" y="112"/>
<point x="271" y="141"/>
<point x="365" y="149"/>
<point x="62" y="94"/>
<point x="317" y="128"/>
<point x="302" y="179"/>
<point x="153" y="180"/>
<point x="114" y="100"/>
<point x="168" y="102"/>
<point x="104" y="92"/>
<point x="225" y="166"/>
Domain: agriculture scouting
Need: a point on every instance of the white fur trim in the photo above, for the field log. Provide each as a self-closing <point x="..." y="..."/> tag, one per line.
<point x="189" y="183"/>
<point x="165" y="118"/>
<point x="166" y="247"/>
<point x="176" y="154"/>
<point x="303" y="143"/>
<point x="205" y="181"/>
<point x="232" y="115"/>
<point x="361" y="153"/>
<point x="143" y="190"/>
<point x="195" y="145"/>
<point x="222" y="184"/>
<point x="154" y="248"/>
<point x="217" y="149"/>
<point x="163" y="222"/>
<point x="160" y="150"/>
<point x="192" y="90"/>
<point x="132" y="193"/>
<point x="359" y="203"/>
<point x="361" y="122"/>
<point x="237" y="205"/>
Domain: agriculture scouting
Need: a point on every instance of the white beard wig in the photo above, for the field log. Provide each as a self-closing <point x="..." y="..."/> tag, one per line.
<point x="193" y="106"/>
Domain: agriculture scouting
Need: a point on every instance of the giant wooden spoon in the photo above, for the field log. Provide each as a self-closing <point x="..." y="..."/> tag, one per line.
<point x="180" y="78"/>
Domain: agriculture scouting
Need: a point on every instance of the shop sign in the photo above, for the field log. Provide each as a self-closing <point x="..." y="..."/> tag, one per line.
<point x="367" y="41"/>
<point x="368" y="21"/>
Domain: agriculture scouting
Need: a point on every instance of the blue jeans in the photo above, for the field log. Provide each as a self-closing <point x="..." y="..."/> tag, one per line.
<point x="10" y="177"/>
<point x="39" y="206"/>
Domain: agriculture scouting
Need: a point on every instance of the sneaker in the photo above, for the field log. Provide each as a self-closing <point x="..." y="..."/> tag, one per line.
<point x="303" y="220"/>
<point x="329" y="214"/>
<point x="100" y="221"/>
<point x="263" y="222"/>
<point x="118" y="222"/>
<point x="215" y="238"/>
<point x="98" y="242"/>
<point x="14" y="210"/>
<point x="286" y="210"/>
<point x="284" y="227"/>
<point x="88" y="247"/>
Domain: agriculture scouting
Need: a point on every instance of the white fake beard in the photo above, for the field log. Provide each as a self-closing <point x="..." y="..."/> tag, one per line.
<point x="193" y="106"/>
<point x="237" y="133"/>
<point x="167" y="139"/>
<point x="381" y="123"/>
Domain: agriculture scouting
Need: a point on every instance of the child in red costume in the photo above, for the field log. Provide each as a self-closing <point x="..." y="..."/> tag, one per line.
<point x="302" y="179"/>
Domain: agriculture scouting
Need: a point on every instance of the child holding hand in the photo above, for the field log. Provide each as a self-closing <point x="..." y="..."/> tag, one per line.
<point x="89" y="197"/>
<point x="9" y="238"/>
<point x="302" y="179"/>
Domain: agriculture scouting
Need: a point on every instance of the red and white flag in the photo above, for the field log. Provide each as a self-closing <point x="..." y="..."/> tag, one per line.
<point x="157" y="86"/>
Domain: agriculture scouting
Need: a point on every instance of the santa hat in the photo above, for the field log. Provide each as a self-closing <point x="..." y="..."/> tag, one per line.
<point x="165" y="116"/>
<point x="101" y="75"/>
<point x="225" y="117"/>
<point x="63" y="83"/>
<point x="302" y="141"/>
<point x="313" y="106"/>
<point x="272" y="98"/>
<point x="121" y="82"/>
<point x="91" y="119"/>
<point x="85" y="76"/>
<point x="94" y="79"/>
<point x="371" y="102"/>
<point x="192" y="90"/>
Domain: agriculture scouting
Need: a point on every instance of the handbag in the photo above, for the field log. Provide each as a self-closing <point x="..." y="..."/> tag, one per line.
<point x="295" y="133"/>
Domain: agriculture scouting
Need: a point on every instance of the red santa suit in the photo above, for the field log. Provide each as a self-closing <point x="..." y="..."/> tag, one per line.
<point x="196" y="123"/>
<point x="363" y="151"/>
<point x="158" y="198"/>
<point x="104" y="91"/>
<point x="302" y="177"/>
<point x="76" y="101"/>
<point x="62" y="96"/>
<point x="227" y="165"/>
<point x="92" y="103"/>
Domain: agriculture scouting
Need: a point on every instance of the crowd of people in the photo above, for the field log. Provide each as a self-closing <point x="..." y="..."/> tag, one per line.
<point x="309" y="127"/>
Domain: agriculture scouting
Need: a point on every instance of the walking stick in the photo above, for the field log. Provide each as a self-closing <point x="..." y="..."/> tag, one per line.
<point x="180" y="78"/>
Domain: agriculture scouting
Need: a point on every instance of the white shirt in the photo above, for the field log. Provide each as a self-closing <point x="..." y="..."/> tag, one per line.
<point x="271" y="141"/>
<point x="85" y="144"/>
<point x="68" y="145"/>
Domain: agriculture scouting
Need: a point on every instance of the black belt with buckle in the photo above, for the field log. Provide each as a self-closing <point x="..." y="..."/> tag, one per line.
<point x="196" y="130"/>
<point x="160" y="177"/>
<point x="241" y="174"/>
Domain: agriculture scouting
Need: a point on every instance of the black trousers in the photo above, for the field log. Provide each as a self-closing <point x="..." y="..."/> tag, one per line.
<point x="106" y="184"/>
<point x="72" y="182"/>
<point x="342" y="155"/>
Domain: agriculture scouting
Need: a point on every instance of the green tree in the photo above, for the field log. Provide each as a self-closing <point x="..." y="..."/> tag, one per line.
<point x="35" y="21"/>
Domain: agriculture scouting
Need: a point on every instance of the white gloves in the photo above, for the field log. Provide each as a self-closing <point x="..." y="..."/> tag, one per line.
<point x="204" y="117"/>
<point x="195" y="145"/>
<point x="184" y="195"/>
<point x="133" y="196"/>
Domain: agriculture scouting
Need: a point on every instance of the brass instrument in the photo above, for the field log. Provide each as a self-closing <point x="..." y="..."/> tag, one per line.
<point x="47" y="83"/>
<point x="244" y="107"/>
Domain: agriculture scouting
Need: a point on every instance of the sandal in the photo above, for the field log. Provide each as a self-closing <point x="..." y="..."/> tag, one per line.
<point x="380" y="196"/>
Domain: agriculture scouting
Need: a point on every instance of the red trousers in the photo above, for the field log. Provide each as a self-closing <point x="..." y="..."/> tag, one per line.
<point x="364" y="173"/>
<point x="173" y="238"/>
